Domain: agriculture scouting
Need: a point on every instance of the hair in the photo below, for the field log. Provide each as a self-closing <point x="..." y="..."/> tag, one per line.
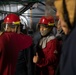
<point x="66" y="16"/>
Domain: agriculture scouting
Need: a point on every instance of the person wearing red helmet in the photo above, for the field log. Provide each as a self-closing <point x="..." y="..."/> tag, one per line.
<point x="47" y="55"/>
<point x="11" y="23"/>
<point x="11" y="43"/>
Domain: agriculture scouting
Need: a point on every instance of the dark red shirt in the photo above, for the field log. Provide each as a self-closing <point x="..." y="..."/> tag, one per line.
<point x="10" y="44"/>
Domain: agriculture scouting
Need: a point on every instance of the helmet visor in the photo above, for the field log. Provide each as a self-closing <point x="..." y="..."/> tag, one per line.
<point x="8" y="25"/>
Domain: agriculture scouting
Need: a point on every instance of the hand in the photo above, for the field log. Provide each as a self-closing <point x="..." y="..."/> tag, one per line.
<point x="35" y="58"/>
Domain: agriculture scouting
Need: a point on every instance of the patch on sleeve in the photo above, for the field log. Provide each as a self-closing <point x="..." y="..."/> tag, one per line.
<point x="55" y="51"/>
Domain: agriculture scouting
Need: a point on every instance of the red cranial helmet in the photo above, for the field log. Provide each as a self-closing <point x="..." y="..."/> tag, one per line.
<point x="12" y="18"/>
<point x="47" y="20"/>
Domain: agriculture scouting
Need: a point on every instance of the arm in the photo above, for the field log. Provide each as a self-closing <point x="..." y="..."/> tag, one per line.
<point x="50" y="55"/>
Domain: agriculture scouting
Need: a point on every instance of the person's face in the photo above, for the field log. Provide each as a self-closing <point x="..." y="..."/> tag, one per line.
<point x="59" y="13"/>
<point x="44" y="30"/>
<point x="64" y="26"/>
<point x="65" y="29"/>
<point x="12" y="29"/>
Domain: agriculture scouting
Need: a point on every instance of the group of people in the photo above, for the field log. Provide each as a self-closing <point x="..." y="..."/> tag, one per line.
<point x="21" y="54"/>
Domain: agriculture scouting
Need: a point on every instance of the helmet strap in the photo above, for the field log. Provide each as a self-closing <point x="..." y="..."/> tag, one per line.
<point x="6" y="27"/>
<point x="17" y="28"/>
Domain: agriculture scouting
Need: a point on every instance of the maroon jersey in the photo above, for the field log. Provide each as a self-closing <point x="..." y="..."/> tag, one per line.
<point x="10" y="44"/>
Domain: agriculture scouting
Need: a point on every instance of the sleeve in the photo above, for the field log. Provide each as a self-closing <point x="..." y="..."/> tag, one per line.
<point x="50" y="55"/>
<point x="20" y="41"/>
<point x="73" y="59"/>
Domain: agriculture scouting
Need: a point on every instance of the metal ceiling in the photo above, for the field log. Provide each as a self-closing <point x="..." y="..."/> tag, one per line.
<point x="27" y="4"/>
<point x="20" y="7"/>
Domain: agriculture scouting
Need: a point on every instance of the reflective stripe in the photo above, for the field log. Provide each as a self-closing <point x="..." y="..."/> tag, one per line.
<point x="16" y="22"/>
